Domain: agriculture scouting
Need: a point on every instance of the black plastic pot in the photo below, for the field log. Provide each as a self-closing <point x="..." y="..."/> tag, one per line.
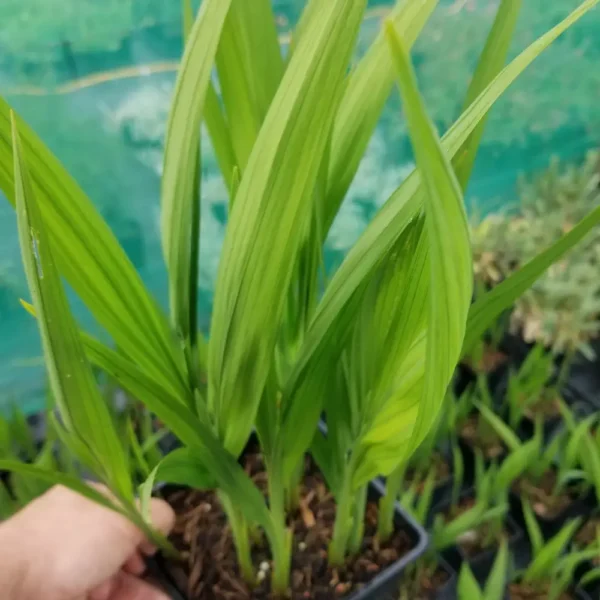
<point x="383" y="586"/>
<point x="580" y="507"/>
<point x="448" y="590"/>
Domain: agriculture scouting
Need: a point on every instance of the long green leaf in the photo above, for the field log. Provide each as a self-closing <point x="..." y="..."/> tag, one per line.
<point x="369" y="86"/>
<point x="490" y="305"/>
<point x="490" y="63"/>
<point x="74" y="389"/>
<point x="267" y="226"/>
<point x="495" y="586"/>
<point x="180" y="196"/>
<point x="250" y="67"/>
<point x="406" y="202"/>
<point x="451" y="270"/>
<point x="196" y="435"/>
<point x="468" y="588"/>
<point x="182" y="467"/>
<point x="90" y="258"/>
<point x="543" y="563"/>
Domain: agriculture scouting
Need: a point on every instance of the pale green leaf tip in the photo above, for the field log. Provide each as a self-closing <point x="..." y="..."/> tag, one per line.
<point x="393" y="37"/>
<point x="28" y="307"/>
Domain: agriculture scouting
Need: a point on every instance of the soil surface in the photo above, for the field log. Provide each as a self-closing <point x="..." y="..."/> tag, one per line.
<point x="545" y="407"/>
<point x="521" y="591"/>
<point x="491" y="448"/>
<point x="587" y="535"/>
<point x="544" y="503"/>
<point x="209" y="569"/>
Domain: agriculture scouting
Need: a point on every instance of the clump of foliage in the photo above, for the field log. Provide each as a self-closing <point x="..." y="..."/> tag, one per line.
<point x="375" y="351"/>
<point x="561" y="309"/>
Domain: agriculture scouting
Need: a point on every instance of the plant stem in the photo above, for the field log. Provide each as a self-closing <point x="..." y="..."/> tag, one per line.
<point x="292" y="491"/>
<point x="241" y="538"/>
<point x="358" y="530"/>
<point x="342" y="526"/>
<point x="281" y="536"/>
<point x="385" y="527"/>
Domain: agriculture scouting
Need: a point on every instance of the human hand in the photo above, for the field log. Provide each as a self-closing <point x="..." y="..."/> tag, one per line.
<point x="65" y="547"/>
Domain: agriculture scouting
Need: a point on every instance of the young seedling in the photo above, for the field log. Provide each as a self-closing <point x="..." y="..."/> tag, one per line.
<point x="527" y="392"/>
<point x="447" y="531"/>
<point x="375" y="352"/>
<point x="551" y="571"/>
<point x="474" y="430"/>
<point x="549" y="476"/>
<point x="495" y="586"/>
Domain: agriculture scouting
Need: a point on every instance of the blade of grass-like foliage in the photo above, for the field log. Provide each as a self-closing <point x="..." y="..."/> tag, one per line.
<point x="509" y="437"/>
<point x="195" y="434"/>
<point x="220" y="135"/>
<point x="250" y="67"/>
<point x="542" y="564"/>
<point x="496" y="582"/>
<point x="52" y="478"/>
<point x="90" y="258"/>
<point x="337" y="309"/>
<point x="272" y="210"/>
<point x="369" y="86"/>
<point x="181" y="467"/>
<point x="490" y="305"/>
<point x="82" y="408"/>
<point x="451" y="270"/>
<point x="468" y="588"/>
<point x="180" y="195"/>
<point x="490" y="63"/>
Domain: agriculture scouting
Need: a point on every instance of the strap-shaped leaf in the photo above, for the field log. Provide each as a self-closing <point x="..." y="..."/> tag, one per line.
<point x="337" y="309"/>
<point x="182" y="467"/>
<point x="196" y="435"/>
<point x="180" y="196"/>
<point x="468" y="588"/>
<point x="75" y="392"/>
<point x="90" y="258"/>
<point x="450" y="264"/>
<point x="250" y="67"/>
<point x="490" y="63"/>
<point x="272" y="209"/>
<point x="369" y="87"/>
<point x="490" y="305"/>
<point x="496" y="584"/>
<point x="545" y="558"/>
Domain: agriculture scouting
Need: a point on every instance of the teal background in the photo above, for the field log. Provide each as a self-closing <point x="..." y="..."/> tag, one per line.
<point x="94" y="80"/>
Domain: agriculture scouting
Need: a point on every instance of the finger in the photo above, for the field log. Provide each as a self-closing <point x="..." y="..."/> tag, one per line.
<point x="162" y="516"/>
<point x="105" y="590"/>
<point x="132" y="588"/>
<point x="135" y="565"/>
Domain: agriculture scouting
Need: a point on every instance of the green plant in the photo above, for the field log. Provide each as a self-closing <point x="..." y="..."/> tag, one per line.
<point x="476" y="431"/>
<point x="551" y="571"/>
<point x="561" y="309"/>
<point x="527" y="390"/>
<point x="494" y="589"/>
<point x="546" y="474"/>
<point x="486" y="515"/>
<point x="376" y="351"/>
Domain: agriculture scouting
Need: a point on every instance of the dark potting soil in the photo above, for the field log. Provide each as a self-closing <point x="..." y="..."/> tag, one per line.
<point x="474" y="542"/>
<point x="438" y="463"/>
<point x="588" y="534"/>
<point x="491" y="448"/>
<point x="544" y="503"/>
<point x="209" y="568"/>
<point x="522" y="591"/>
<point x="546" y="408"/>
